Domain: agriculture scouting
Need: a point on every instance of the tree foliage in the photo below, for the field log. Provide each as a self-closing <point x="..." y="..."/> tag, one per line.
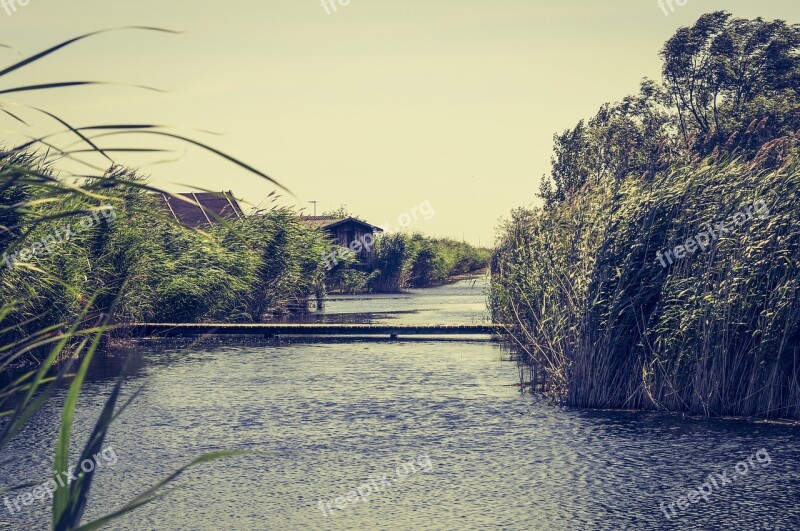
<point x="730" y="86"/>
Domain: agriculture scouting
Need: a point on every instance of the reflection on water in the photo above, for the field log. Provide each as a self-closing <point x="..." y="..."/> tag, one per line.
<point x="324" y="419"/>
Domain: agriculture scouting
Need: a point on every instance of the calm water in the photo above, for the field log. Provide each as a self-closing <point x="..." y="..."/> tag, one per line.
<point x="323" y="420"/>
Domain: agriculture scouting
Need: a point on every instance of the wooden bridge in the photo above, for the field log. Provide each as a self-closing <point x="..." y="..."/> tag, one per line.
<point x="277" y="330"/>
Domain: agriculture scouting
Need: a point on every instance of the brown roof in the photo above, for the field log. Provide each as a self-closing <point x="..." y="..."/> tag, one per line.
<point x="202" y="209"/>
<point x="329" y="222"/>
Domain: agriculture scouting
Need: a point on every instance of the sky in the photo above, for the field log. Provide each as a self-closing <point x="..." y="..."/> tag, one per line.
<point x="378" y="105"/>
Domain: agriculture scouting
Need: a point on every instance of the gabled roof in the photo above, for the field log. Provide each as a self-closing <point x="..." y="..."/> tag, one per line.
<point x="205" y="213"/>
<point x="330" y="222"/>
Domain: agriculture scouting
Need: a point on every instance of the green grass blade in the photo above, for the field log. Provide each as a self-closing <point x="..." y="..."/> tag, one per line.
<point x="65" y="84"/>
<point x="78" y="491"/>
<point x="188" y="140"/>
<point x="53" y="49"/>
<point x="28" y="408"/>
<point x="62" y="496"/>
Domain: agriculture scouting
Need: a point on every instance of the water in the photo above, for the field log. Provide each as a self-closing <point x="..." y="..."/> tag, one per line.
<point x="323" y="419"/>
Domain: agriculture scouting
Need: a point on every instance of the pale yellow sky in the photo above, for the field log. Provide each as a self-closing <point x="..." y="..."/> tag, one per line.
<point x="381" y="105"/>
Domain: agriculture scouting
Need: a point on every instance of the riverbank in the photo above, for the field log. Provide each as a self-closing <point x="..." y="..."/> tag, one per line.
<point x="470" y="275"/>
<point x="402" y="261"/>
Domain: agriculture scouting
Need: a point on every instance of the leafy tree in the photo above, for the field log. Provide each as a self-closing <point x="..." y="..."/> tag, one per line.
<point x="730" y="87"/>
<point x="721" y="69"/>
<point x="341" y="212"/>
<point x="627" y="137"/>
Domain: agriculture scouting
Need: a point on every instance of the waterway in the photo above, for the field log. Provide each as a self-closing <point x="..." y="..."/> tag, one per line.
<point x="399" y="435"/>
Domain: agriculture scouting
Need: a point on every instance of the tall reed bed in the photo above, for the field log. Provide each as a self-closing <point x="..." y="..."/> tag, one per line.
<point x="415" y="261"/>
<point x="714" y="333"/>
<point x="61" y="304"/>
<point x="156" y="269"/>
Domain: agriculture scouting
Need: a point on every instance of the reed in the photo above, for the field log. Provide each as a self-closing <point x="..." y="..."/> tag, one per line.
<point x="583" y="281"/>
<point x="715" y="333"/>
<point x="58" y="307"/>
<point x="416" y="261"/>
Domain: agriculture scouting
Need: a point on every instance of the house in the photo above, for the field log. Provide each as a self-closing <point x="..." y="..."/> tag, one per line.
<point x="202" y="209"/>
<point x="352" y="233"/>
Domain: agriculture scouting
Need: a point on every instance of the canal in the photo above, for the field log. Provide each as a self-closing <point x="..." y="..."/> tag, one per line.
<point x="400" y="435"/>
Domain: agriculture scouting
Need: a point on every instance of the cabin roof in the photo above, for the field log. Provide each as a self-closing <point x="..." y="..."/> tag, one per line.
<point x="330" y="222"/>
<point x="206" y="212"/>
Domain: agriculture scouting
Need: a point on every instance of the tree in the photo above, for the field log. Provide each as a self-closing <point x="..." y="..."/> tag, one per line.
<point x="717" y="70"/>
<point x="622" y="138"/>
<point x="341" y="212"/>
<point x="730" y="86"/>
<point x="570" y="169"/>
